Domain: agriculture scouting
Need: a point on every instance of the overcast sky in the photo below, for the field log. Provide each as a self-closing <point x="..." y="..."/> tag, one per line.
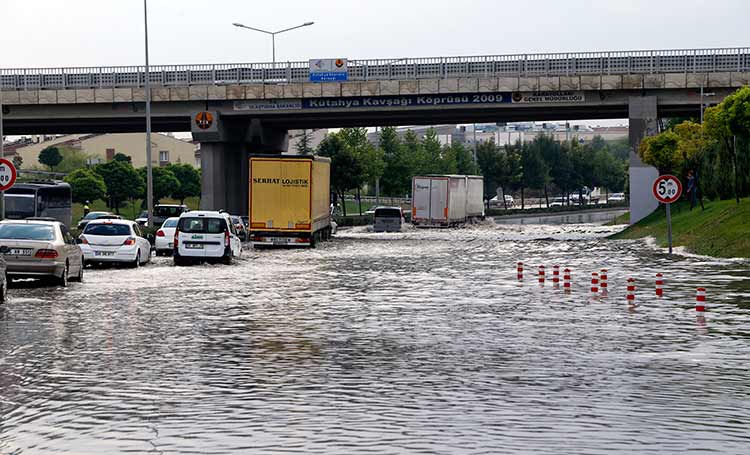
<point x="46" y="33"/>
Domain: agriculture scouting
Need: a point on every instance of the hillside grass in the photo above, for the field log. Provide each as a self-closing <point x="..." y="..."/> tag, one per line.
<point x="722" y="230"/>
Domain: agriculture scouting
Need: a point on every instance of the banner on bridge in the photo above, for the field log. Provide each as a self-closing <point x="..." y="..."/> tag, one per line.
<point x="549" y="97"/>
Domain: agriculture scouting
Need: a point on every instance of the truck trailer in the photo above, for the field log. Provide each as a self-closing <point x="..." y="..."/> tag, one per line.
<point x="289" y="200"/>
<point x="446" y="200"/>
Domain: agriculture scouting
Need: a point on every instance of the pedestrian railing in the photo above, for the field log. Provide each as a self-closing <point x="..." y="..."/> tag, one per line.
<point x="553" y="64"/>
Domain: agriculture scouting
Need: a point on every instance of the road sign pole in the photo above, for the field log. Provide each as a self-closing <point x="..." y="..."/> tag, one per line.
<point x="2" y="148"/>
<point x="669" y="228"/>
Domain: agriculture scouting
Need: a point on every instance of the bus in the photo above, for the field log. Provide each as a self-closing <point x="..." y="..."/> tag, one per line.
<point x="41" y="199"/>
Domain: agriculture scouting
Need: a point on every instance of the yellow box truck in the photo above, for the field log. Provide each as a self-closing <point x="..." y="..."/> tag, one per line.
<point x="289" y="200"/>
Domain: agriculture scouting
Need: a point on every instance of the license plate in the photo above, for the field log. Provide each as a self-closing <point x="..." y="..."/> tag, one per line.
<point x="104" y="253"/>
<point x="281" y="241"/>
<point x="194" y="246"/>
<point x="19" y="252"/>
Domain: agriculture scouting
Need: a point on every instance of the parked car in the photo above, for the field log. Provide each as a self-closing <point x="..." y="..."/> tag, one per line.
<point x="95" y="216"/>
<point x="114" y="241"/>
<point x="205" y="236"/>
<point x="240" y="227"/>
<point x="557" y="202"/>
<point x="388" y="219"/>
<point x="497" y="202"/>
<point x="164" y="243"/>
<point x="164" y="211"/>
<point x="40" y="248"/>
<point x="617" y="197"/>
<point x="142" y="219"/>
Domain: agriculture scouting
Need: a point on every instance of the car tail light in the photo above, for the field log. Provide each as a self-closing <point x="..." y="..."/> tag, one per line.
<point x="84" y="240"/>
<point x="129" y="241"/>
<point x="176" y="238"/>
<point x="226" y="238"/>
<point x="46" y="254"/>
<point x="160" y="233"/>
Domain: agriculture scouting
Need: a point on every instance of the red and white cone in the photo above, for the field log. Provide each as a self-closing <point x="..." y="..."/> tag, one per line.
<point x="659" y="285"/>
<point x="556" y="275"/>
<point x="594" y="283"/>
<point x="603" y="280"/>
<point x="631" y="292"/>
<point x="519" y="271"/>
<point x="541" y="274"/>
<point x="566" y="279"/>
<point x="700" y="300"/>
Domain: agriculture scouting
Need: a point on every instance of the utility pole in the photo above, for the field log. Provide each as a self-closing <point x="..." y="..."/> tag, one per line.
<point x="149" y="167"/>
<point x="2" y="147"/>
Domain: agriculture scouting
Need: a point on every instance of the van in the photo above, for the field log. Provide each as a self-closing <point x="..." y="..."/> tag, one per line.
<point x="388" y="219"/>
<point x="205" y="236"/>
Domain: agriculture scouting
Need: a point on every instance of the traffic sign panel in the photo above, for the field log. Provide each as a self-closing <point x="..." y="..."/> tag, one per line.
<point x="204" y="120"/>
<point x="667" y="189"/>
<point x="7" y="174"/>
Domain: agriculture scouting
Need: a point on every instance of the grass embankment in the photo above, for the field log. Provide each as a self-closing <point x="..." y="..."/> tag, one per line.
<point x="722" y="230"/>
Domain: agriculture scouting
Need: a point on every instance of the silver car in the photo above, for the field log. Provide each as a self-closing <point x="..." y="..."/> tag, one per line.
<point x="40" y="248"/>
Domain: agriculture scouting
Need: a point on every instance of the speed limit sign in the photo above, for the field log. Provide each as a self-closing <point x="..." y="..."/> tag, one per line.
<point x="667" y="189"/>
<point x="7" y="174"/>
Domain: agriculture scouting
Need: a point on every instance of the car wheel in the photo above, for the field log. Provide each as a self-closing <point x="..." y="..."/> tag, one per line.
<point x="79" y="278"/>
<point x="137" y="262"/>
<point x="62" y="280"/>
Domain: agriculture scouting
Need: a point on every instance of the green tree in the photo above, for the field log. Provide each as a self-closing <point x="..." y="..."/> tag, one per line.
<point x="346" y="169"/>
<point x="190" y="181"/>
<point x="123" y="182"/>
<point x="86" y="185"/>
<point x="661" y="151"/>
<point x="119" y="156"/>
<point x="535" y="170"/>
<point x="370" y="158"/>
<point x="72" y="159"/>
<point x="432" y="161"/>
<point x="50" y="157"/>
<point x="398" y="164"/>
<point x="729" y="123"/>
<point x="304" y="143"/>
<point x="165" y="182"/>
<point x="491" y="163"/>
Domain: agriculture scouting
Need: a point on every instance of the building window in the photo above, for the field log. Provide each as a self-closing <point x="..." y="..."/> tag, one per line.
<point x="164" y="157"/>
<point x="110" y="154"/>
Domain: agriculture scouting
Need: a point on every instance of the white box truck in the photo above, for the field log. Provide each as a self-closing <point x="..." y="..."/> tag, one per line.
<point x="446" y="200"/>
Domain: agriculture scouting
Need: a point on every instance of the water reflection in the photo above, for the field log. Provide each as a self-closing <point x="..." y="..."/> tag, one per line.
<point x="420" y="341"/>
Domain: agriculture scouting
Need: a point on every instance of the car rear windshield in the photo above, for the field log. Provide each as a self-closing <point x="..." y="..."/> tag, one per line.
<point x="202" y="225"/>
<point x="387" y="213"/>
<point x="95" y="215"/>
<point x="107" y="229"/>
<point x="167" y="211"/>
<point x="27" y="232"/>
<point x="170" y="223"/>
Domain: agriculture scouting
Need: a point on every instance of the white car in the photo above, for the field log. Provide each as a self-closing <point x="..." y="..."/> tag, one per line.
<point x="496" y="202"/>
<point x="164" y="242"/>
<point x="557" y="202"/>
<point x="206" y="236"/>
<point x="114" y="241"/>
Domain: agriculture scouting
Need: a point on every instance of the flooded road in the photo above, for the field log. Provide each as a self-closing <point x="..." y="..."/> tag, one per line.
<point x="416" y="342"/>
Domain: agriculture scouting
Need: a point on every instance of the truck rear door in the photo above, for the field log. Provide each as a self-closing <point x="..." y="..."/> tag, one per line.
<point x="439" y="199"/>
<point x="280" y="195"/>
<point x="421" y="199"/>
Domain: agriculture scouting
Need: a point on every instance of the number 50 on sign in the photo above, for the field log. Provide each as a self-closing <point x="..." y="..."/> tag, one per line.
<point x="7" y="174"/>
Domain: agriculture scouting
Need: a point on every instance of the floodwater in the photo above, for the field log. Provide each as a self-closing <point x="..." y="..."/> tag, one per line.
<point x="413" y="342"/>
<point x="587" y="217"/>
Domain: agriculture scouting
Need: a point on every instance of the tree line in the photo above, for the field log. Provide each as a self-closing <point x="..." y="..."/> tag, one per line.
<point x="717" y="152"/>
<point x="544" y="164"/>
<point x="117" y="182"/>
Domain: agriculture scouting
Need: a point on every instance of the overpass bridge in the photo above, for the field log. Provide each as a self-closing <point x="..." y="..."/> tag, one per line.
<point x="255" y="104"/>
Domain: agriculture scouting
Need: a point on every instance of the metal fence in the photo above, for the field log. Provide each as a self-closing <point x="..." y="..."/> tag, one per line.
<point x="557" y="64"/>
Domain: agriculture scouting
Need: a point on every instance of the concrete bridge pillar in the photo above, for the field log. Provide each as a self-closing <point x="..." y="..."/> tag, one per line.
<point x="643" y="122"/>
<point x="225" y="148"/>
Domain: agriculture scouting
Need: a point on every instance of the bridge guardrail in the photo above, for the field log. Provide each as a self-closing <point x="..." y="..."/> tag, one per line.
<point x="550" y="64"/>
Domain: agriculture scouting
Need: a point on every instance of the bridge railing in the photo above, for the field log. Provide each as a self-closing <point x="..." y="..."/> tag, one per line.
<point x="552" y="64"/>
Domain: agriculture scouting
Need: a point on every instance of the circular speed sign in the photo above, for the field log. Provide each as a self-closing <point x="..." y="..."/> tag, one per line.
<point x="667" y="189"/>
<point x="7" y="174"/>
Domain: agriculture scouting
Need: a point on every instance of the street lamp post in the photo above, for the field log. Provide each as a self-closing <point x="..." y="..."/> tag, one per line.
<point x="149" y="167"/>
<point x="2" y="147"/>
<point x="273" y="35"/>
